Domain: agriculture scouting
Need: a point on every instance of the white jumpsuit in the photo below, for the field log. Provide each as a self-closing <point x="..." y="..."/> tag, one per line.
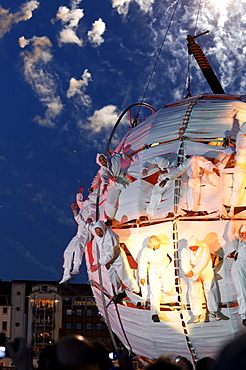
<point x="239" y="178"/>
<point x="201" y="264"/>
<point x="155" y="264"/>
<point x="114" y="172"/>
<point x="112" y="256"/>
<point x="162" y="164"/>
<point x="238" y="273"/>
<point x="73" y="254"/>
<point x="194" y="167"/>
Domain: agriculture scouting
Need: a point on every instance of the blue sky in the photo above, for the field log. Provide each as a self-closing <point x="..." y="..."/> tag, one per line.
<point x="67" y="70"/>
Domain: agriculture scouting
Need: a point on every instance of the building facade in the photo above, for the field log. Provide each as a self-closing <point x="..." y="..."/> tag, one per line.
<point x="44" y="311"/>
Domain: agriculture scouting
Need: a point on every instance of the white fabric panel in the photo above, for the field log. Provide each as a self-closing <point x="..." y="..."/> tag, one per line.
<point x="167" y="124"/>
<point x="241" y="113"/>
<point x="132" y="201"/>
<point x="227" y="187"/>
<point x="137" y="238"/>
<point x="212" y="119"/>
<point x="205" y="150"/>
<point x="136" y="137"/>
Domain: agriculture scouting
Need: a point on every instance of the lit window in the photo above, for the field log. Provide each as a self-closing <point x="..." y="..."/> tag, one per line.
<point x="69" y="312"/>
<point x="68" y="325"/>
<point x="88" y="326"/>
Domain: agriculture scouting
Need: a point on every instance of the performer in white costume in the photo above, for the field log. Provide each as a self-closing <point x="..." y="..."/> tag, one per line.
<point x="194" y="167"/>
<point x="238" y="271"/>
<point x="238" y="177"/>
<point x="153" y="263"/>
<point x="163" y="165"/>
<point x="196" y="264"/>
<point x="74" y="252"/>
<point x="111" y="170"/>
<point x="112" y="257"/>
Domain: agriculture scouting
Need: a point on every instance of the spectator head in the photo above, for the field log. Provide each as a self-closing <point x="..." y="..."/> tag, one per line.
<point x="45" y="356"/>
<point x="74" y="352"/>
<point x="102" y="354"/>
<point x="162" y="363"/>
<point x="205" y="363"/>
<point x="183" y="363"/>
<point x="233" y="355"/>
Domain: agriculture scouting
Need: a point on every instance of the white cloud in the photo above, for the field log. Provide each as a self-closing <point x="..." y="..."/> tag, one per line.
<point x="70" y="20"/>
<point x="23" y="42"/>
<point x="122" y="6"/>
<point x="77" y="87"/>
<point x="103" y="118"/>
<point x="7" y="19"/>
<point x="68" y="36"/>
<point x="228" y="30"/>
<point x="41" y="81"/>
<point x="224" y="46"/>
<point x="95" y="35"/>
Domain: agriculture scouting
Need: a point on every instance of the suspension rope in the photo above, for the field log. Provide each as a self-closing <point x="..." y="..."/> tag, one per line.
<point x="158" y="55"/>
<point x="198" y="11"/>
<point x="187" y="77"/>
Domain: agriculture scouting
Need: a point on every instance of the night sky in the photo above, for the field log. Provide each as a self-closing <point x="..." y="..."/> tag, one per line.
<point x="67" y="71"/>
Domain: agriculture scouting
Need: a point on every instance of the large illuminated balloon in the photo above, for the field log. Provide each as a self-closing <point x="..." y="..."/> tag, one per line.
<point x="206" y="126"/>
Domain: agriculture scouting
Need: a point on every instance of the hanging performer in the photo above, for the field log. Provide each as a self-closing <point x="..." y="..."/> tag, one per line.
<point x="194" y="167"/>
<point x="154" y="262"/>
<point x="73" y="254"/>
<point x="163" y="165"/>
<point x="112" y="257"/>
<point x="238" y="177"/>
<point x="111" y="170"/>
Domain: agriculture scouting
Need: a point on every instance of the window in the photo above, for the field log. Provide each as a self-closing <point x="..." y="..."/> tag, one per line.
<point x="5" y="310"/>
<point x="69" y="312"/>
<point x="99" y="326"/>
<point x="68" y="325"/>
<point x="67" y="301"/>
<point x="79" y="312"/>
<point x="89" y="313"/>
<point x="4" y="326"/>
<point x="78" y="325"/>
<point x="88" y="326"/>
